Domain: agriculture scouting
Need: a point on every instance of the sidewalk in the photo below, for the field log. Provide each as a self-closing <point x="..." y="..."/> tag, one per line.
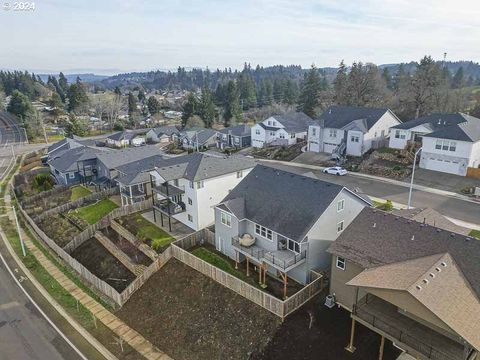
<point x="130" y="336"/>
<point x="382" y="179"/>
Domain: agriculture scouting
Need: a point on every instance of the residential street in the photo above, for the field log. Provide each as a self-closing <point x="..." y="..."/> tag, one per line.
<point x="448" y="206"/>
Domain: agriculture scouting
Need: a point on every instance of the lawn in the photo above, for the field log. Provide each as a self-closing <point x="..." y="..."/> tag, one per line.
<point x="147" y="230"/>
<point x="93" y="213"/>
<point x="475" y="233"/>
<point x="78" y="192"/>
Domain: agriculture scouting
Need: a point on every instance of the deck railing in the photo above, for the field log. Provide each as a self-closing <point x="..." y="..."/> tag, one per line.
<point x="283" y="263"/>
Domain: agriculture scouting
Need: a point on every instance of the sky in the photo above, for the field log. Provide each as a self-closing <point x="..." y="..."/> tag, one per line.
<point x="112" y="36"/>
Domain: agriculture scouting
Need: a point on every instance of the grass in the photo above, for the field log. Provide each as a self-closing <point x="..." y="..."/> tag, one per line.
<point x="475" y="233"/>
<point x="78" y="192"/>
<point x="387" y="150"/>
<point x="147" y="230"/>
<point x="223" y="264"/>
<point x="383" y="205"/>
<point x="93" y="213"/>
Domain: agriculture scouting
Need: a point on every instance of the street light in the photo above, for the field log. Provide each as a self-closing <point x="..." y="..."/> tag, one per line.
<point x="18" y="228"/>
<point x="411" y="181"/>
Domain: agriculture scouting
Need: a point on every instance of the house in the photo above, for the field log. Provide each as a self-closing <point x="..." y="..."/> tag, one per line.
<point x="163" y="134"/>
<point x="197" y="138"/>
<point x="292" y="219"/>
<point x="348" y="130"/>
<point x="281" y="130"/>
<point x="234" y="137"/>
<point x="126" y="138"/>
<point x="412" y="283"/>
<point x="186" y="188"/>
<point x="452" y="149"/>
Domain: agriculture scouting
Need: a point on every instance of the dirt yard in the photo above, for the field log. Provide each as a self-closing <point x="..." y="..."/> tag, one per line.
<point x="53" y="200"/>
<point x="58" y="228"/>
<point x="191" y="317"/>
<point x="128" y="248"/>
<point x="101" y="263"/>
<point x="325" y="340"/>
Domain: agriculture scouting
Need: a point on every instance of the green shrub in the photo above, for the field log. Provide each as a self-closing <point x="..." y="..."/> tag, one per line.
<point x="43" y="182"/>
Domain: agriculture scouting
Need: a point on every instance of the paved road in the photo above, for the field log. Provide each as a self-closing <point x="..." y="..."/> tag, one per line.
<point x="451" y="207"/>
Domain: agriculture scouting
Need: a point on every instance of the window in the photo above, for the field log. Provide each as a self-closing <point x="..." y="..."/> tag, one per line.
<point x="314" y="132"/>
<point x="274" y="123"/>
<point x="199" y="184"/>
<point x="190" y="201"/>
<point x="192" y="186"/>
<point x="272" y="133"/>
<point x="292" y="136"/>
<point x="175" y="182"/>
<point x="71" y="175"/>
<point x="140" y="187"/>
<point x="445" y="145"/>
<point x="438" y="145"/>
<point x="453" y="146"/>
<point x="293" y="246"/>
<point x="355" y="139"/>
<point x="226" y="219"/>
<point x="269" y="123"/>
<point x="340" y="226"/>
<point x="239" y="174"/>
<point x="399" y="134"/>
<point x="190" y="218"/>
<point x="340" y="263"/>
<point x="263" y="231"/>
<point x="333" y="133"/>
<point x="341" y="205"/>
<point x="257" y="132"/>
<point x="375" y="134"/>
<point x="282" y="136"/>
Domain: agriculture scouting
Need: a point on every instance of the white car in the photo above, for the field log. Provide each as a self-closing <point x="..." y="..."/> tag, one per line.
<point x="336" y="170"/>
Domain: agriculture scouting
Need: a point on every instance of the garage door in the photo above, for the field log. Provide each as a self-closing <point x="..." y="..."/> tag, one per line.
<point x="446" y="166"/>
<point x="328" y="148"/>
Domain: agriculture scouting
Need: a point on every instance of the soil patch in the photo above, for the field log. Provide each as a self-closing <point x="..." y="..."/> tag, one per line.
<point x="58" y="228"/>
<point x="192" y="317"/>
<point x="58" y="198"/>
<point x="127" y="247"/>
<point x="104" y="265"/>
<point x="325" y="339"/>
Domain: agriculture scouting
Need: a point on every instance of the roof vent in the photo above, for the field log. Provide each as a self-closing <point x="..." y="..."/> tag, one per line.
<point x="432" y="275"/>
<point x="418" y="287"/>
<point x="443" y="263"/>
<point x="413" y="237"/>
<point x="374" y="225"/>
<point x="438" y="269"/>
<point x="425" y="281"/>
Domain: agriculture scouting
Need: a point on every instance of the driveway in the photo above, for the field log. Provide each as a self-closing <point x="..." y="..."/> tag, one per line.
<point x="443" y="181"/>
<point x="312" y="158"/>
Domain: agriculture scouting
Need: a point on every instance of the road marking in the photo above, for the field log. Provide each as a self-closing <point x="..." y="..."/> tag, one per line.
<point x="67" y="340"/>
<point x="9" y="305"/>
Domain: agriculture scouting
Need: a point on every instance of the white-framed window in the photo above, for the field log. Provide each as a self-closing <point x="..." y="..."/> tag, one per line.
<point x="340" y="205"/>
<point x="274" y="123"/>
<point x="239" y="174"/>
<point x="281" y="136"/>
<point x="190" y="217"/>
<point x="399" y="134"/>
<point x="314" y="132"/>
<point x="71" y="175"/>
<point x="226" y="219"/>
<point x="453" y="146"/>
<point x="340" y="226"/>
<point x="200" y="184"/>
<point x="269" y="123"/>
<point x="192" y="185"/>
<point x="446" y="145"/>
<point x="438" y="144"/>
<point x="333" y="133"/>
<point x="190" y="201"/>
<point x="272" y="133"/>
<point x="355" y="138"/>
<point x="340" y="263"/>
<point x="293" y="246"/>
<point x="292" y="136"/>
<point x="140" y="187"/>
<point x="263" y="232"/>
<point x="257" y="131"/>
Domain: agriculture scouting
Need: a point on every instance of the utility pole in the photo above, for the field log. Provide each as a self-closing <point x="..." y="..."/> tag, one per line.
<point x="411" y="181"/>
<point x="18" y="230"/>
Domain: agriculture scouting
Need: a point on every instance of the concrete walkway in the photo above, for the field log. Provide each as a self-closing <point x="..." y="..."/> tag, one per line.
<point x="117" y="326"/>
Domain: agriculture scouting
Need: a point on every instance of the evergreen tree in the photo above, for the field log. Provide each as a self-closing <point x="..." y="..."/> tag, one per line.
<point x="132" y="104"/>
<point x="117" y="91"/>
<point x="458" y="80"/>
<point x="233" y="112"/>
<point x="290" y="93"/>
<point x="340" y="85"/>
<point x="207" y="107"/>
<point x="387" y="78"/>
<point x="20" y="105"/>
<point x="190" y="108"/>
<point x="75" y="127"/>
<point x="77" y="97"/>
<point x="63" y="83"/>
<point x="153" y="105"/>
<point x="141" y="96"/>
<point x="310" y="91"/>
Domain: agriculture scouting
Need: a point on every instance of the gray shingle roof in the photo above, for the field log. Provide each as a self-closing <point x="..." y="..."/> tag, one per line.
<point x="294" y="121"/>
<point x="337" y="117"/>
<point x="284" y="202"/>
<point x="239" y="130"/>
<point x="468" y="130"/>
<point x="127" y="134"/>
<point x="116" y="158"/>
<point x="65" y="161"/>
<point x="167" y="130"/>
<point x="203" y="136"/>
<point x="433" y="122"/>
<point x="378" y="238"/>
<point x="199" y="166"/>
<point x="138" y="171"/>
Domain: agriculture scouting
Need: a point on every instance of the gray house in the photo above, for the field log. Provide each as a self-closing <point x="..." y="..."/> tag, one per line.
<point x="292" y="218"/>
<point x="197" y="137"/>
<point x="235" y="137"/>
<point x="163" y="134"/>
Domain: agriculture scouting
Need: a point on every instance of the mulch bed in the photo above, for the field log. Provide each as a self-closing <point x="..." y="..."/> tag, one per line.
<point x="58" y="228"/>
<point x="127" y="247"/>
<point x="192" y="317"/>
<point x="326" y="339"/>
<point x="104" y="265"/>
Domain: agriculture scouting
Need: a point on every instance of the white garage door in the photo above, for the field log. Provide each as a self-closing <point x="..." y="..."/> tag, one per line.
<point x="446" y="166"/>
<point x="328" y="148"/>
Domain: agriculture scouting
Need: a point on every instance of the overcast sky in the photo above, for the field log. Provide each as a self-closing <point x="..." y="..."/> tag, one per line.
<point x="111" y="36"/>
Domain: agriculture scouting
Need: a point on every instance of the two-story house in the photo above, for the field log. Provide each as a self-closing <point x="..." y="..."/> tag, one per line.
<point x="412" y="283"/>
<point x="186" y="188"/>
<point x="281" y="130"/>
<point x="348" y="130"/>
<point x="452" y="149"/>
<point x="284" y="222"/>
<point x="163" y="134"/>
<point x="238" y="137"/>
<point x="198" y="138"/>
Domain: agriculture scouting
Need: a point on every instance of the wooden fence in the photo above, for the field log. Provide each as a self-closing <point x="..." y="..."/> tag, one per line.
<point x="281" y="308"/>
<point x="127" y="235"/>
<point x="79" y="202"/>
<point x="42" y="195"/>
<point x="473" y="173"/>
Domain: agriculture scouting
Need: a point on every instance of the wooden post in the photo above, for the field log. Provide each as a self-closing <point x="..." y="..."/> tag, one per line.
<point x="170" y="223"/>
<point x="285" y="282"/>
<point x="236" y="260"/>
<point x="382" y="346"/>
<point x="248" y="267"/>
<point x="161" y="218"/>
<point x="350" y="347"/>
<point x="260" y="274"/>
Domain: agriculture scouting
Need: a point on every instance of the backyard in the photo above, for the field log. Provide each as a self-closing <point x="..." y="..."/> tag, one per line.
<point x="94" y="212"/>
<point x="179" y="305"/>
<point x="78" y="192"/>
<point x="58" y="228"/>
<point x="147" y="232"/>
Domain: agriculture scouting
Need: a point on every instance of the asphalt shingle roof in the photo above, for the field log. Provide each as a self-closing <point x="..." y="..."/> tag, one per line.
<point x="433" y="122"/>
<point x="167" y="130"/>
<point x="293" y="121"/>
<point x="239" y="130"/>
<point x="284" y="202"/>
<point x="116" y="158"/>
<point x="337" y="117"/>
<point x="138" y="171"/>
<point x="468" y="130"/>
<point x="65" y="161"/>
<point x="376" y="238"/>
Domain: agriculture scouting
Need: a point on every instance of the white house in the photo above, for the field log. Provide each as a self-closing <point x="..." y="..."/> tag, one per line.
<point x="186" y="188"/>
<point x="350" y="130"/>
<point x="125" y="138"/>
<point x="452" y="149"/>
<point x="163" y="134"/>
<point x="281" y="130"/>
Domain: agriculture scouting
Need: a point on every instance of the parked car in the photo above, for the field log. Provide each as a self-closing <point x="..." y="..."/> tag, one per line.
<point x="335" y="170"/>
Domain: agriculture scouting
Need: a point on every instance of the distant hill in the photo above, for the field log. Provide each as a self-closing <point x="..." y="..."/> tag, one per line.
<point x="89" y="78"/>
